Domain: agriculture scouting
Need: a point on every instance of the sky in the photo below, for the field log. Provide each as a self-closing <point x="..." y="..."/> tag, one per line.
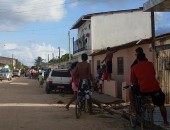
<point x="32" y="28"/>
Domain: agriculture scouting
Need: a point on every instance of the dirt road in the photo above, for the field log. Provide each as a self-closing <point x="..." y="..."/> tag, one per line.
<point x="25" y="106"/>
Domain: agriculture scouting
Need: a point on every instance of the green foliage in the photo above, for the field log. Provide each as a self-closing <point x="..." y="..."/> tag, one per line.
<point x="11" y="67"/>
<point x="63" y="58"/>
<point x="38" y="61"/>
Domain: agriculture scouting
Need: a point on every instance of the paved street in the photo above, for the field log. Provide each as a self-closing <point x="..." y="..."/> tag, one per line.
<point x="25" y="106"/>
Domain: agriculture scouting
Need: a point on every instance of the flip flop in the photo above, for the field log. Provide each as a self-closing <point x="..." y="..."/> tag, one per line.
<point x="67" y="107"/>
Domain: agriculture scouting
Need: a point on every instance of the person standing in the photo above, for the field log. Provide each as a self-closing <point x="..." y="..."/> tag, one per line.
<point x="108" y="61"/>
<point x="83" y="71"/>
<point x="99" y="79"/>
<point x="41" y="80"/>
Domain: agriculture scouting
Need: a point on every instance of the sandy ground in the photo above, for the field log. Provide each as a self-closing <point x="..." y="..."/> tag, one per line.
<point x="26" y="106"/>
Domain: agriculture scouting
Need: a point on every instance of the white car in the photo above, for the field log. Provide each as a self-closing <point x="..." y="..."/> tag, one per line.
<point x="17" y="73"/>
<point x="5" y="74"/>
<point x="58" y="79"/>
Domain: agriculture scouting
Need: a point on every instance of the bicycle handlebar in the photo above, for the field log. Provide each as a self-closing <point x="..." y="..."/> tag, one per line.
<point x="126" y="87"/>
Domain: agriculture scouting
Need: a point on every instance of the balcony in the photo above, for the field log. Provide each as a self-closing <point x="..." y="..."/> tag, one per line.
<point x="80" y="45"/>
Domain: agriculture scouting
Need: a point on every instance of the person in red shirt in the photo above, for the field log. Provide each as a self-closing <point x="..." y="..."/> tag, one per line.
<point x="104" y="72"/>
<point x="143" y="73"/>
<point x="74" y="83"/>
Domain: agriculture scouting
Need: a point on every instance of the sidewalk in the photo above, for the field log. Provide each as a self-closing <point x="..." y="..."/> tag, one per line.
<point x="117" y="105"/>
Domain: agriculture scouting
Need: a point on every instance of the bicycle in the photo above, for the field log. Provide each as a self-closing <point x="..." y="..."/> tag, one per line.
<point x="144" y="110"/>
<point x="83" y="95"/>
<point x="81" y="105"/>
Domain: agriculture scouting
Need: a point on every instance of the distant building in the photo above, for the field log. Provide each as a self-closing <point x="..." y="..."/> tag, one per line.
<point x="7" y="61"/>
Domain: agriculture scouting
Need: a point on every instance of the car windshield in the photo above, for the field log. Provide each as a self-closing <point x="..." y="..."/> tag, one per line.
<point x="60" y="73"/>
<point x="4" y="70"/>
<point x="16" y="71"/>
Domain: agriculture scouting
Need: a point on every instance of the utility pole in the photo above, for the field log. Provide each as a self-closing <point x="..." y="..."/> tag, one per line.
<point x="53" y="60"/>
<point x="48" y="59"/>
<point x="12" y="61"/>
<point x="69" y="46"/>
<point x="59" y="53"/>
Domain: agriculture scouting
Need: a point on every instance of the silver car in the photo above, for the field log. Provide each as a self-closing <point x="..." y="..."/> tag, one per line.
<point x="5" y="73"/>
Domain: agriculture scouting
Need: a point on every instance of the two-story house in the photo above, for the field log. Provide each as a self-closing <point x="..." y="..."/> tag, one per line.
<point x="97" y="31"/>
<point x="100" y="30"/>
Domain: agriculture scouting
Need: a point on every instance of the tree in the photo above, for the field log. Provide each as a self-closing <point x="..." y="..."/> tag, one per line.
<point x="64" y="57"/>
<point x="38" y="61"/>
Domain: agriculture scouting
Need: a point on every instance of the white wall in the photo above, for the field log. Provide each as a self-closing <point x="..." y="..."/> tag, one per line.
<point x="119" y="28"/>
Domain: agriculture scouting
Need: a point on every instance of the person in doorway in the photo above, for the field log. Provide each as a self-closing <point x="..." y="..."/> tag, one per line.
<point x="104" y="73"/>
<point x="143" y="73"/>
<point x="74" y="83"/>
<point x="83" y="71"/>
<point x="99" y="79"/>
<point x="108" y="61"/>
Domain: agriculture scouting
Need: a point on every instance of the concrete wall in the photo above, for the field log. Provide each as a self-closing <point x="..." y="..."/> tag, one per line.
<point x="119" y="28"/>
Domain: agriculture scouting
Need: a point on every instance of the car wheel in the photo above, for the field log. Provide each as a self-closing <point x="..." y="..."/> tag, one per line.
<point x="48" y="90"/>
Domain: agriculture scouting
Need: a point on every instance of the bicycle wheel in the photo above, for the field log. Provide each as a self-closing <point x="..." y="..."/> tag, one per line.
<point x="149" y="118"/>
<point x="133" y="120"/>
<point x="85" y="106"/>
<point x="78" y="109"/>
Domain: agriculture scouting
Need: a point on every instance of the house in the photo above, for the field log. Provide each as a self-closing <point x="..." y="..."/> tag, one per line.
<point x="7" y="61"/>
<point x="103" y="29"/>
<point x="114" y="28"/>
<point x="124" y="57"/>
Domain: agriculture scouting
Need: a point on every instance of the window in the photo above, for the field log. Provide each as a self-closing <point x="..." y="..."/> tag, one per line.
<point x="98" y="62"/>
<point x="60" y="73"/>
<point x="120" y="66"/>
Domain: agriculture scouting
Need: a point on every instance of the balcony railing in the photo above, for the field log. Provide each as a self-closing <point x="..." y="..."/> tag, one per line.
<point x="80" y="45"/>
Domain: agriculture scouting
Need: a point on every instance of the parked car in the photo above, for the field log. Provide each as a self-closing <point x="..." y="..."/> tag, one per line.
<point x="5" y="73"/>
<point x="58" y="79"/>
<point x="17" y="73"/>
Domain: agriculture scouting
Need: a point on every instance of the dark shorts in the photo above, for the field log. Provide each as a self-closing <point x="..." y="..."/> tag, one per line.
<point x="158" y="97"/>
<point x="84" y="90"/>
<point x="109" y="66"/>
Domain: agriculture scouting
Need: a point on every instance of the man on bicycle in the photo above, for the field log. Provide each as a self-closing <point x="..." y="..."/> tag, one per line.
<point x="84" y="73"/>
<point x="143" y="74"/>
<point x="138" y="50"/>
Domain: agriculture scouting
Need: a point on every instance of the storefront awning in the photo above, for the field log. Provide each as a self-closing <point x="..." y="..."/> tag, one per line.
<point x="157" y="5"/>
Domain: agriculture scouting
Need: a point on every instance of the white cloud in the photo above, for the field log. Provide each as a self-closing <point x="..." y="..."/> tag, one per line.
<point x="111" y="3"/>
<point x="158" y="17"/>
<point x="27" y="55"/>
<point x="9" y="47"/>
<point x="15" y="13"/>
